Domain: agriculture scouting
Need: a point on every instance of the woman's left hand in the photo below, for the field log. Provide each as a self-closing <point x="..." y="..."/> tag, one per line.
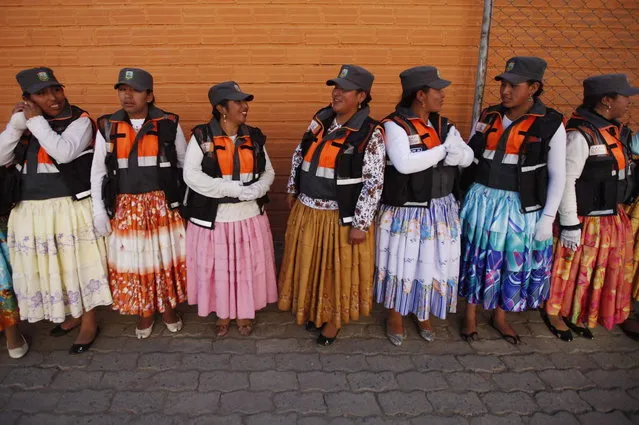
<point x="356" y="236"/>
<point x="31" y="109"/>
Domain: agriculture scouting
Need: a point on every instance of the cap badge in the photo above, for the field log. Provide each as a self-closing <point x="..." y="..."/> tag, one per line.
<point x="510" y="66"/>
<point x="438" y="76"/>
<point x="236" y="87"/>
<point x="43" y="76"/>
<point x="128" y="75"/>
<point x="343" y="73"/>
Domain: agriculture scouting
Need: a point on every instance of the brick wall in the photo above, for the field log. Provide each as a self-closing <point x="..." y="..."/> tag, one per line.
<point x="282" y="51"/>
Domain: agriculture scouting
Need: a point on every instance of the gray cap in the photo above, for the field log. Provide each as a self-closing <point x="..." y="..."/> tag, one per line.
<point x="609" y="83"/>
<point x="228" y="90"/>
<point x="353" y="77"/>
<point x="137" y="78"/>
<point x="418" y="77"/>
<point x="35" y="79"/>
<point x="523" y="68"/>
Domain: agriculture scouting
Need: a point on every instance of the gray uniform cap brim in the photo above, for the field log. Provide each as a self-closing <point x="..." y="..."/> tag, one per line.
<point x="344" y="84"/>
<point x="43" y="85"/>
<point x="512" y="78"/>
<point x="630" y="91"/>
<point x="133" y="84"/>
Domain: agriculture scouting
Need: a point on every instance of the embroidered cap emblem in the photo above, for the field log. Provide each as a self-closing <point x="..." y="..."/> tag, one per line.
<point x="510" y="66"/>
<point x="343" y="73"/>
<point x="236" y="87"/>
<point x="43" y="76"/>
<point x="128" y="75"/>
<point x="438" y="76"/>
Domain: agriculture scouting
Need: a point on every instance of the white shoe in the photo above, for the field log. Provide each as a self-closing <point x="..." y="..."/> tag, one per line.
<point x="16" y="353"/>
<point x="174" y="327"/>
<point x="144" y="333"/>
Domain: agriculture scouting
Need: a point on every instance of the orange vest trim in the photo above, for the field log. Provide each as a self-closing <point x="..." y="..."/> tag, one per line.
<point x="329" y="151"/>
<point x="613" y="140"/>
<point x="225" y="153"/>
<point x="515" y="139"/>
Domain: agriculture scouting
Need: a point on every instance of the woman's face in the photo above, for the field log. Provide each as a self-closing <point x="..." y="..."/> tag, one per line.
<point x="432" y="100"/>
<point x="135" y="103"/>
<point x="346" y="102"/>
<point x="236" y="111"/>
<point x="51" y="100"/>
<point x="514" y="95"/>
<point x="618" y="106"/>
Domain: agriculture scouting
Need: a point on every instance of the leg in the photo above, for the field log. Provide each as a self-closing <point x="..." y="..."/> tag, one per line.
<point x="14" y="337"/>
<point x="498" y="321"/>
<point x="88" y="328"/>
<point x="469" y="328"/>
<point x="395" y="322"/>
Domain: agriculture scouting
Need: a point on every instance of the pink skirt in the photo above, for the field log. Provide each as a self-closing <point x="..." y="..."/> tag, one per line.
<point x="231" y="269"/>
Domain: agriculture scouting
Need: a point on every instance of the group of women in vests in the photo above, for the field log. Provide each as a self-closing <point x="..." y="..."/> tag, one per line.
<point x="98" y="210"/>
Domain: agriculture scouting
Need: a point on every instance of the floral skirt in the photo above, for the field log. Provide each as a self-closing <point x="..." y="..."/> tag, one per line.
<point x="417" y="258"/>
<point x="323" y="277"/>
<point x="502" y="265"/>
<point x="59" y="264"/>
<point x="147" y="255"/>
<point x="633" y="212"/>
<point x="593" y="284"/>
<point x="9" y="315"/>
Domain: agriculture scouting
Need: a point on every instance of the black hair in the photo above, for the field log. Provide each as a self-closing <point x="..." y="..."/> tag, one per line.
<point x="151" y="103"/>
<point x="539" y="91"/>
<point x="366" y="101"/>
<point x="590" y="102"/>
<point x="407" y="99"/>
<point x="216" y="114"/>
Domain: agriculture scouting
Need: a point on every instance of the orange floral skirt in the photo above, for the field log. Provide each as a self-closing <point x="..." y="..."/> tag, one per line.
<point x="633" y="212"/>
<point x="324" y="278"/>
<point x="593" y="285"/>
<point x="146" y="255"/>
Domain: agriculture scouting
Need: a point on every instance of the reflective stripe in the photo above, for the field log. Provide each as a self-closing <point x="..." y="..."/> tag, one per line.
<point x="47" y="168"/>
<point x="415" y="204"/>
<point x="83" y="195"/>
<point x="532" y="167"/>
<point x="306" y="165"/>
<point x="86" y="152"/>
<point x="165" y="164"/>
<point x="532" y="208"/>
<point x="342" y="182"/>
<point x="201" y="222"/>
<point x="19" y="167"/>
<point x="622" y="174"/>
<point x="148" y="161"/>
<point x="174" y="205"/>
<point x="475" y="161"/>
<point x="601" y="212"/>
<point x="347" y="220"/>
<point x="123" y="162"/>
<point x="327" y="173"/>
<point x="509" y="158"/>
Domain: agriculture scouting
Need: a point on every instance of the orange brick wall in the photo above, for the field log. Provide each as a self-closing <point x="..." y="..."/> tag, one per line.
<point x="282" y="51"/>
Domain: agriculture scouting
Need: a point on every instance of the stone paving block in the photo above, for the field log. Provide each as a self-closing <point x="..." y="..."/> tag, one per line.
<point x="568" y="400"/>
<point x="138" y="402"/>
<point x="246" y="402"/>
<point x="372" y="381"/>
<point x="272" y="380"/>
<point x="477" y="363"/>
<point x="159" y="361"/>
<point x="9" y="418"/>
<point x="404" y="403"/>
<point x="390" y="363"/>
<point x="284" y="345"/>
<point x="440" y="348"/>
<point x="119" y="362"/>
<point x="271" y="419"/>
<point x="32" y="401"/>
<point x="190" y="345"/>
<point x="439" y="420"/>
<point x="70" y="380"/>
<point x="470" y="381"/>
<point x="153" y="344"/>
<point x="174" y="380"/>
<point x="86" y="401"/>
<point x="634" y="393"/>
<point x="216" y="420"/>
<point x="62" y="360"/>
<point x="103" y="419"/>
<point x="607" y="360"/>
<point x="619" y="378"/>
<point x="450" y="403"/>
<point x="156" y="419"/>
<point x="252" y="362"/>
<point x="569" y="379"/>
<point x="235" y="346"/>
<point x="561" y="418"/>
<point x="494" y="347"/>
<point x="608" y="400"/>
<point x="540" y="346"/>
<point x="425" y="381"/>
<point x="300" y="402"/>
<point x="129" y="380"/>
<point x="223" y="381"/>
<point x="206" y="361"/>
<point x="47" y="419"/>
<point x="518" y="403"/>
<point x="192" y="403"/>
<point x="496" y="420"/>
<point x="323" y="381"/>
<point x="598" y="418"/>
<point x="340" y="362"/>
<point x="302" y="362"/>
<point x="442" y="363"/>
<point x="33" y="359"/>
<point x="573" y="361"/>
<point x="527" y="362"/>
<point x="526" y="381"/>
<point x="343" y="403"/>
<point x="29" y="378"/>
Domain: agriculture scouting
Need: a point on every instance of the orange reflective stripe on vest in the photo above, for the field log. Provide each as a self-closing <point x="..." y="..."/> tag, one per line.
<point x="225" y="154"/>
<point x="515" y="139"/>
<point x="427" y="133"/>
<point x="327" y="156"/>
<point x="613" y="140"/>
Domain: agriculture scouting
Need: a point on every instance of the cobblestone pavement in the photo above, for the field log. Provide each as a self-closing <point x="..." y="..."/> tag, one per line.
<point x="279" y="376"/>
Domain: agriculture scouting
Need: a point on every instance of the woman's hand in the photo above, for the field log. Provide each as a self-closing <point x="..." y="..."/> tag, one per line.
<point x="31" y="109"/>
<point x="356" y="236"/>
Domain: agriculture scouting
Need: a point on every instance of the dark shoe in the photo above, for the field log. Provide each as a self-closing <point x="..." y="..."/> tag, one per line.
<point x="513" y="339"/>
<point x="82" y="348"/>
<point x="469" y="337"/>
<point x="326" y="341"/>
<point x="583" y="332"/>
<point x="60" y="331"/>
<point x="310" y="326"/>
<point x="562" y="335"/>
<point x="629" y="333"/>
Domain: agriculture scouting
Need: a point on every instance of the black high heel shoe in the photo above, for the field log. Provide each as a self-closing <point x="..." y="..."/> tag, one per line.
<point x="583" y="332"/>
<point x="83" y="348"/>
<point x="326" y="341"/>
<point x="562" y="335"/>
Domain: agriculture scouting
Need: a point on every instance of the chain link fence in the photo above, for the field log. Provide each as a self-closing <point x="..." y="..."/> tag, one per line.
<point x="578" y="38"/>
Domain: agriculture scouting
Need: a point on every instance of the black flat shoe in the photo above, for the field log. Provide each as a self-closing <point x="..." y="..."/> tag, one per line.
<point x="60" y="331"/>
<point x="83" y="348"/>
<point x="310" y="326"/>
<point x="326" y="341"/>
<point x="512" y="339"/>
<point x="469" y="337"/>
<point x="562" y="335"/>
<point x="583" y="332"/>
<point x="629" y="333"/>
